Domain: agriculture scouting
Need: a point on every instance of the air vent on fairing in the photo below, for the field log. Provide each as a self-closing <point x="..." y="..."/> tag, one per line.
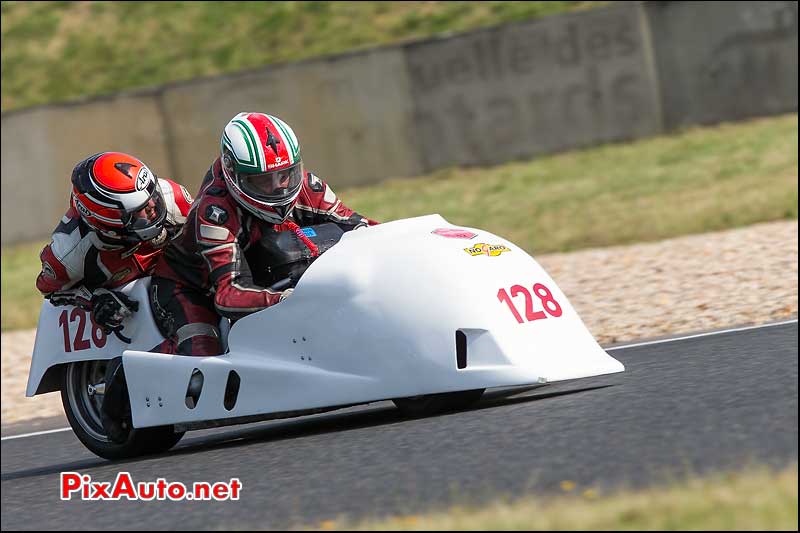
<point x="194" y="388"/>
<point x="461" y="349"/>
<point x="232" y="390"/>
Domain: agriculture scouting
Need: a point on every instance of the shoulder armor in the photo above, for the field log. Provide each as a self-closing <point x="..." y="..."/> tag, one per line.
<point x="314" y="183"/>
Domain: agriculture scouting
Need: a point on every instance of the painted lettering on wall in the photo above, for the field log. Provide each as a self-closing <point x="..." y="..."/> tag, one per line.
<point x="516" y="91"/>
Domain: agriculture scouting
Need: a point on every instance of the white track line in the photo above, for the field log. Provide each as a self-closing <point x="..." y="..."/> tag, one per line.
<point x="707" y="334"/>
<point x="59" y="430"/>
<point x="634" y="345"/>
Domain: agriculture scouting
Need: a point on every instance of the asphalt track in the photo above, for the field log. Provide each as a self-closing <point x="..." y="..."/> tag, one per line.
<point x="686" y="406"/>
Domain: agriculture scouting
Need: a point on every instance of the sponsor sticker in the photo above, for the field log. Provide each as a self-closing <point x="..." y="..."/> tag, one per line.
<point x="491" y="250"/>
<point x="309" y="232"/>
<point x="82" y="208"/>
<point x="454" y="233"/>
<point x="279" y="162"/>
<point x="142" y="178"/>
<point x="48" y="270"/>
<point x="186" y="195"/>
<point x="120" y="275"/>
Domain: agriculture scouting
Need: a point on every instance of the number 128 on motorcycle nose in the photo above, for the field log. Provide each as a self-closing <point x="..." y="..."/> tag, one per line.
<point x="547" y="302"/>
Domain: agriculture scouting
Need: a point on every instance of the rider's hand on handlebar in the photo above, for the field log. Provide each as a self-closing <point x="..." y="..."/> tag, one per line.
<point x="111" y="308"/>
<point x="285" y="294"/>
<point x="79" y="296"/>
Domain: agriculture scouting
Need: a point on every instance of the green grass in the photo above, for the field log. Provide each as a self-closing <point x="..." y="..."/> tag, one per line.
<point x="56" y="51"/>
<point x="756" y="499"/>
<point x="20" y="300"/>
<point x="700" y="180"/>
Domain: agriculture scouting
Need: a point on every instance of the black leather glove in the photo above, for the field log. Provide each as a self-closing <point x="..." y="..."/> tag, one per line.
<point x="111" y="308"/>
<point x="79" y="297"/>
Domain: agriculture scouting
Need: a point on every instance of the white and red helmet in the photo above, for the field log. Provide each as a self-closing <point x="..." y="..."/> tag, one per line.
<point x="118" y="196"/>
<point x="262" y="165"/>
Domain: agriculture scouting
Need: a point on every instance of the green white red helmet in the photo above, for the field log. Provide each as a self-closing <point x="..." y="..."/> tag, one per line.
<point x="262" y="165"/>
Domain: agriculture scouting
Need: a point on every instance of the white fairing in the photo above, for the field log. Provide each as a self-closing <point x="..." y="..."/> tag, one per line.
<point x="375" y="318"/>
<point x="50" y="348"/>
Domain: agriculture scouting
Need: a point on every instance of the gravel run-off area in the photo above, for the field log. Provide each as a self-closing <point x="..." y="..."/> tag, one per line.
<point x="623" y="293"/>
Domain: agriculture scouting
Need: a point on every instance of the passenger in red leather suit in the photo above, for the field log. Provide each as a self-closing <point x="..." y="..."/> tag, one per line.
<point x="120" y="220"/>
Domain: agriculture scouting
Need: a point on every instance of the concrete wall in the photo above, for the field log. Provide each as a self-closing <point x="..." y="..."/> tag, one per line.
<point x="349" y="112"/>
<point x="724" y="60"/>
<point x="40" y="147"/>
<point x="620" y="72"/>
<point x="516" y="91"/>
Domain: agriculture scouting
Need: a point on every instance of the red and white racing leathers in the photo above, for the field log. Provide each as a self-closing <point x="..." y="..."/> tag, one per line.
<point x="204" y="274"/>
<point x="77" y="261"/>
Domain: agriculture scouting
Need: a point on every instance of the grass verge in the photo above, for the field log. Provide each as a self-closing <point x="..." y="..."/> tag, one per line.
<point x="701" y="180"/>
<point x="758" y="499"/>
<point x="20" y="299"/>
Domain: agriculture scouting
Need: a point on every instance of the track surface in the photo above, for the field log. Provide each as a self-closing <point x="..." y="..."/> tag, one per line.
<point x="690" y="405"/>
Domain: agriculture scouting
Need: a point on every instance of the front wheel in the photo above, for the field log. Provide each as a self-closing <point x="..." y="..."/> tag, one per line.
<point x="82" y="390"/>
<point x="437" y="403"/>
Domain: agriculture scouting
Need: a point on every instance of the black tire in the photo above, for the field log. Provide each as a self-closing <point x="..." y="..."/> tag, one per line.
<point x="83" y="412"/>
<point x="437" y="403"/>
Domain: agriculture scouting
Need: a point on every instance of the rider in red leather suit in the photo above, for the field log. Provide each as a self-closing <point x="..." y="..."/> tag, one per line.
<point x="257" y="185"/>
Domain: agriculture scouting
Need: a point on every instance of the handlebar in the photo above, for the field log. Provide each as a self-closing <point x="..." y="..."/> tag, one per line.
<point x="118" y="333"/>
<point x="281" y="285"/>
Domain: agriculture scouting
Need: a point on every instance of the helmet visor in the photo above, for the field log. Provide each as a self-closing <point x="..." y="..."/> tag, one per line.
<point x="272" y="186"/>
<point x="146" y="222"/>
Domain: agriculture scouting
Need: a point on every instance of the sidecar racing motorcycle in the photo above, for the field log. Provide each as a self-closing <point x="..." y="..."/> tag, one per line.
<point x="417" y="311"/>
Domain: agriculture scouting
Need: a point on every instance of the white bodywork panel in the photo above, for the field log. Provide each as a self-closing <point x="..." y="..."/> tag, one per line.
<point x="49" y="348"/>
<point x="375" y="318"/>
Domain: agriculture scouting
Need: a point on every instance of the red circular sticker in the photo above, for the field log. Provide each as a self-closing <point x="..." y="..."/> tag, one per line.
<point x="455" y="233"/>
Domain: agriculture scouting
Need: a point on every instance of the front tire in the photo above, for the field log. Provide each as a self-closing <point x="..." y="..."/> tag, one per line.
<point x="437" y="403"/>
<point x="82" y="408"/>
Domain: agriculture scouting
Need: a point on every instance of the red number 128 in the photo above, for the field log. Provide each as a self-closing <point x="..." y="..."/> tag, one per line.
<point x="80" y="342"/>
<point x="543" y="293"/>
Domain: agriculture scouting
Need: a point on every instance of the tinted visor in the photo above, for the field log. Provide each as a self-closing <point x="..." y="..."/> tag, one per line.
<point x="146" y="222"/>
<point x="272" y="186"/>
